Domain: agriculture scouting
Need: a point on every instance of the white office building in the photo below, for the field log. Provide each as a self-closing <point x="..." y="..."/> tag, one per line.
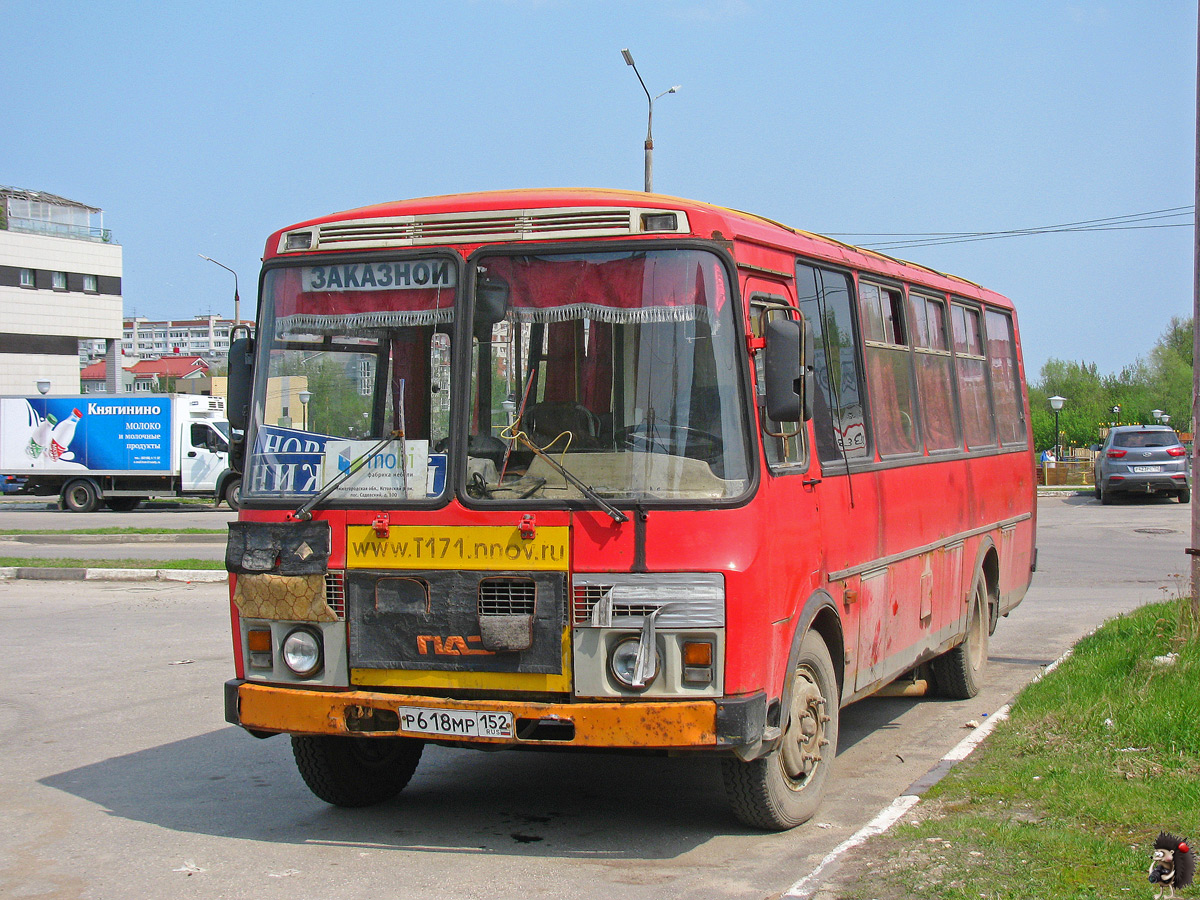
<point x="60" y="284"/>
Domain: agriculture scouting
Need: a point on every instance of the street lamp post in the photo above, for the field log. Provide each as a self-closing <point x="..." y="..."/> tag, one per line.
<point x="237" y="301"/>
<point x="43" y="386"/>
<point x="304" y="396"/>
<point x="649" y="119"/>
<point x="1056" y="404"/>
<point x="1158" y="414"/>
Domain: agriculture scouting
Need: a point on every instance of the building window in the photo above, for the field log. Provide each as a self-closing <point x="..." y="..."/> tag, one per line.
<point x="58" y="281"/>
<point x="90" y="284"/>
<point x="27" y="278"/>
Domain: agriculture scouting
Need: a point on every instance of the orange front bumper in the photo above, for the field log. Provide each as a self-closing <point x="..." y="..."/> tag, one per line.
<point x="659" y="725"/>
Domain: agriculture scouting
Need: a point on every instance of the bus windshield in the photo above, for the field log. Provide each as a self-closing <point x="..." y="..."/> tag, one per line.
<point x="605" y="374"/>
<point x="350" y="354"/>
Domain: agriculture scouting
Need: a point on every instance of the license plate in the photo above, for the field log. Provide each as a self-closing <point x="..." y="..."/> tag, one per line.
<point x="1146" y="470"/>
<point x="456" y="722"/>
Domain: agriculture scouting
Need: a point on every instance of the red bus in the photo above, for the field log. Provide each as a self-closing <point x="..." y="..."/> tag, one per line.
<point x="591" y="468"/>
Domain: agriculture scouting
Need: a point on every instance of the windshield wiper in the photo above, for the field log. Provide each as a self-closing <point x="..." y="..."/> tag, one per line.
<point x="304" y="513"/>
<point x="607" y="508"/>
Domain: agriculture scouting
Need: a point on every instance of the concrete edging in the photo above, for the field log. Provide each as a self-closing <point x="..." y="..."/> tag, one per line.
<point x="36" y="573"/>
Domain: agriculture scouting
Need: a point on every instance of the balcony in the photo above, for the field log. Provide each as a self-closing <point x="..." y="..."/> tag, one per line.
<point x="60" y="229"/>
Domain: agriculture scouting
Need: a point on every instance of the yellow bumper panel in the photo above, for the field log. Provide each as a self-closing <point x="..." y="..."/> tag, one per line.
<point x="640" y="725"/>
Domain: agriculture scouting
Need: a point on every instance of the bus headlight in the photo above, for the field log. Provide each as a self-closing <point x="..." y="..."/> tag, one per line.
<point x="301" y="652"/>
<point x="622" y="663"/>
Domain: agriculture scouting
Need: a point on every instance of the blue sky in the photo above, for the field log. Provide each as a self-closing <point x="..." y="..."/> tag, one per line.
<point x="201" y="128"/>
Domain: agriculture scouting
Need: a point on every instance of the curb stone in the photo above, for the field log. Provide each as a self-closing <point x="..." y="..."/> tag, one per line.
<point x="36" y="573"/>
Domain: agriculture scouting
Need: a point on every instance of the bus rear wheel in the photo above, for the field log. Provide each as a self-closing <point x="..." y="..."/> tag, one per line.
<point x="959" y="672"/>
<point x="352" y="771"/>
<point x="786" y="787"/>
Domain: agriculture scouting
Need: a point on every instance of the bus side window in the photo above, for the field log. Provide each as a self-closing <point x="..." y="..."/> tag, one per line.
<point x="1006" y="391"/>
<point x="970" y="366"/>
<point x="825" y="300"/>
<point x="889" y="371"/>
<point x="935" y="372"/>
<point x="785" y="443"/>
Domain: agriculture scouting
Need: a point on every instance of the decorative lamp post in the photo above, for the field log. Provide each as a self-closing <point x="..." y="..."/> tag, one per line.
<point x="43" y="386"/>
<point x="1056" y="404"/>
<point x="237" y="301"/>
<point x="1166" y="419"/>
<point x="304" y="396"/>
<point x="649" y="118"/>
<point x="1158" y="414"/>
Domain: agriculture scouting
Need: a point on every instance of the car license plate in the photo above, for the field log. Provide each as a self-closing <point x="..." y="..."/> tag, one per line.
<point x="1146" y="470"/>
<point x="456" y="722"/>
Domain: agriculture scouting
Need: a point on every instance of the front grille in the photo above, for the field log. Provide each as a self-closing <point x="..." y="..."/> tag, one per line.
<point x="586" y="596"/>
<point x="335" y="593"/>
<point x="507" y="597"/>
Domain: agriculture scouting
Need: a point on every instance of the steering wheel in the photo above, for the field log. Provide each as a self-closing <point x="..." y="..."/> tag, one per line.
<point x="674" y="440"/>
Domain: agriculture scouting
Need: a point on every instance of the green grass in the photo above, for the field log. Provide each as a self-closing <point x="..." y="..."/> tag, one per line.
<point x="112" y="530"/>
<point x="64" y="563"/>
<point x="1065" y="798"/>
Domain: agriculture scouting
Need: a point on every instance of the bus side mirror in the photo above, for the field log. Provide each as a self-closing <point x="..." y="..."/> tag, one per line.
<point x="241" y="377"/>
<point x="789" y="375"/>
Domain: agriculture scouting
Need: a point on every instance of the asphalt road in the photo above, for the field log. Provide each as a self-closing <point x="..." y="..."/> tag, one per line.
<point x="122" y="780"/>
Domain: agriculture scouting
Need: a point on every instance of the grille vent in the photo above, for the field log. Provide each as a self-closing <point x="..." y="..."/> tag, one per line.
<point x="481" y="227"/>
<point x="335" y="593"/>
<point x="586" y="596"/>
<point x="507" y="597"/>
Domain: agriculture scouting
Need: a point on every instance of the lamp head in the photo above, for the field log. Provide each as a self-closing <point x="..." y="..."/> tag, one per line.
<point x="628" y="57"/>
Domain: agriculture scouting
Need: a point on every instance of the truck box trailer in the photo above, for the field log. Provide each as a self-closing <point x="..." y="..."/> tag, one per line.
<point x="92" y="450"/>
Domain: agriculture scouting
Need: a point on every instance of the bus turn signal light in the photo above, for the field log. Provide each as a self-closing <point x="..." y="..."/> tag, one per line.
<point x="258" y="643"/>
<point x="697" y="662"/>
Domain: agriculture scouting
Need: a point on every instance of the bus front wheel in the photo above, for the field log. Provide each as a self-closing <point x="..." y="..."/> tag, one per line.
<point x="785" y="788"/>
<point x="353" y="771"/>
<point x="959" y="672"/>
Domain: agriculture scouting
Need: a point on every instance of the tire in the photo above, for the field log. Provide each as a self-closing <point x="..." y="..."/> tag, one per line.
<point x="81" y="495"/>
<point x="1106" y="497"/>
<point x="1096" y="488"/>
<point x="122" y="504"/>
<point x="1185" y="496"/>
<point x="959" y="671"/>
<point x="355" y="772"/>
<point x="786" y="787"/>
<point x="232" y="493"/>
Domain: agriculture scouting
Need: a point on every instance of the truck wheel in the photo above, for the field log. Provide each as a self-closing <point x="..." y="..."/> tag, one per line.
<point x="122" y="504"/>
<point x="959" y="672"/>
<point x="81" y="496"/>
<point x="232" y="493"/>
<point x="352" y="771"/>
<point x="785" y="788"/>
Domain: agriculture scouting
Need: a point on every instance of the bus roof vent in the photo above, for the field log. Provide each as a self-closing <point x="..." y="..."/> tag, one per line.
<point x="484" y="226"/>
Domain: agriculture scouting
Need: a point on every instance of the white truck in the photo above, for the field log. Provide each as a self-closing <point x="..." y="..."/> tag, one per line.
<point x="94" y="450"/>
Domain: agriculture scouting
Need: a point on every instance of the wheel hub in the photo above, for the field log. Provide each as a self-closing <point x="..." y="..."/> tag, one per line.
<point x="805" y="736"/>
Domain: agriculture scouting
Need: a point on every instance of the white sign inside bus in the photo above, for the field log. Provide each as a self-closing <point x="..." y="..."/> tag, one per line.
<point x="403" y="275"/>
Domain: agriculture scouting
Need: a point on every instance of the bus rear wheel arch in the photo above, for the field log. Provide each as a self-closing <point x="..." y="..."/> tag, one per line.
<point x="785" y="788"/>
<point x="356" y="771"/>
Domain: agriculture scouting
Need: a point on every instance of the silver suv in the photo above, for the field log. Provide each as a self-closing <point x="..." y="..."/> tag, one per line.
<point x="1142" y="459"/>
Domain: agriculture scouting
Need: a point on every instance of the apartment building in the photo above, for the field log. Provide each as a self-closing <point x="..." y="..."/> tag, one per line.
<point x="60" y="284"/>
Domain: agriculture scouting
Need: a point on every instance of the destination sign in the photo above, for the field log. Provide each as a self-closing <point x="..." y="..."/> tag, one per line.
<point x="405" y="275"/>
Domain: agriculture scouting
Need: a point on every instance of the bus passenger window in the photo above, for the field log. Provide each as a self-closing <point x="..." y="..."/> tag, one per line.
<point x="1010" y="411"/>
<point x="889" y="371"/>
<point x="825" y="300"/>
<point x="935" y="373"/>
<point x="971" y="369"/>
